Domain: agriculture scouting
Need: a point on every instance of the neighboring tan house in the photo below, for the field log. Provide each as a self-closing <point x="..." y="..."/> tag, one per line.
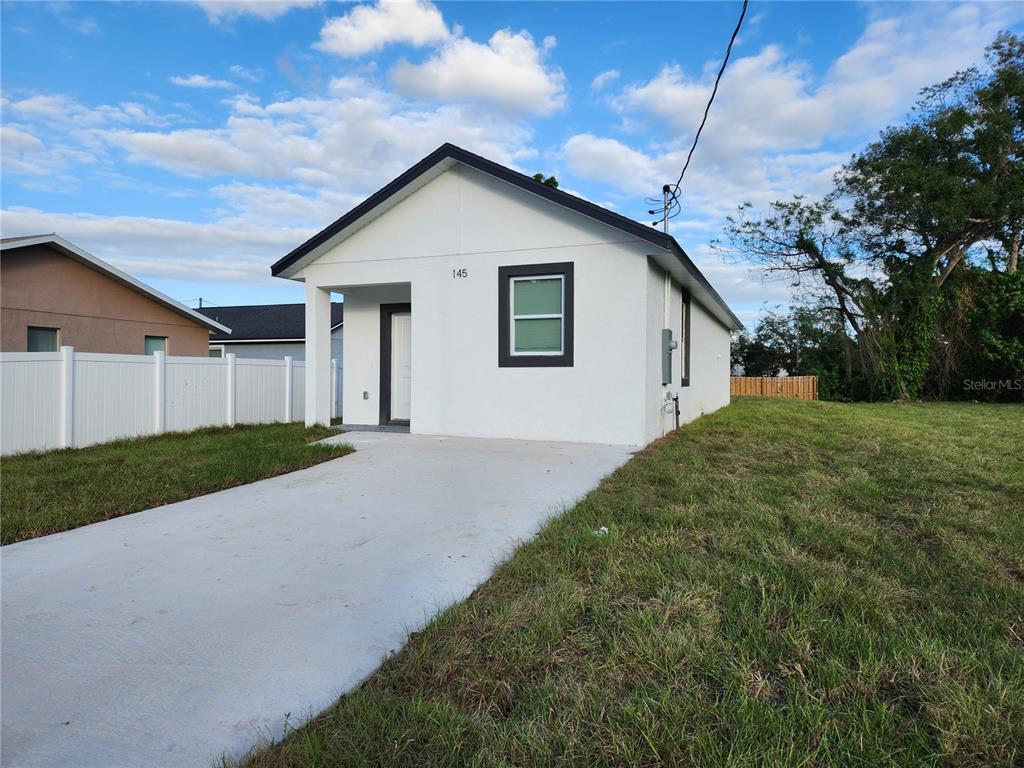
<point x="481" y="302"/>
<point x="54" y="294"/>
<point x="269" y="331"/>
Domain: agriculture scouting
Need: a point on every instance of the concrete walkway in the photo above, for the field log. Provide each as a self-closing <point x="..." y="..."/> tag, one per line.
<point x="175" y="635"/>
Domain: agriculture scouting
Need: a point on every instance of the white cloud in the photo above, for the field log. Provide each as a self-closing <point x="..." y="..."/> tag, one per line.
<point x="610" y="161"/>
<point x="65" y="14"/>
<point x="775" y="128"/>
<point x="293" y="165"/>
<point x="59" y="111"/>
<point x="244" y="73"/>
<point x="192" y="152"/>
<point x="201" y="81"/>
<point x="368" y="28"/>
<point x="220" y="11"/>
<point x="48" y="139"/>
<point x="150" y="247"/>
<point x="14" y="139"/>
<point x="603" y="79"/>
<point x="257" y="204"/>
<point x="773" y="101"/>
<point x="355" y="139"/>
<point x="508" y="73"/>
<point x="24" y="153"/>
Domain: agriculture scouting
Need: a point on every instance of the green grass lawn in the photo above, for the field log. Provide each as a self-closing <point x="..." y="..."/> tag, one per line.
<point x="784" y="583"/>
<point x="43" y="493"/>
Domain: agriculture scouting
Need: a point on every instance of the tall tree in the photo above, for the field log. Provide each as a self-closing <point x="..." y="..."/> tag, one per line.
<point x="893" y="251"/>
<point x="928" y="194"/>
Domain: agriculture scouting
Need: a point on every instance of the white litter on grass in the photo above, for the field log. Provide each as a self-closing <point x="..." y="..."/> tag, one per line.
<point x="602" y="531"/>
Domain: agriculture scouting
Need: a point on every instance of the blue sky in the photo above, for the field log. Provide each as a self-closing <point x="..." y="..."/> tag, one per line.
<point x="194" y="143"/>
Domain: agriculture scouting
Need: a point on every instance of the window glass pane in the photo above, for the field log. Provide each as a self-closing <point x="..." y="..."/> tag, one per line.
<point x="539" y="335"/>
<point x="156" y="344"/>
<point x="42" y="339"/>
<point x="216" y="353"/>
<point x="537" y="297"/>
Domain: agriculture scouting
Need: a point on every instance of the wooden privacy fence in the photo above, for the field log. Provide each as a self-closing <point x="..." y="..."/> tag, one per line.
<point x="801" y="387"/>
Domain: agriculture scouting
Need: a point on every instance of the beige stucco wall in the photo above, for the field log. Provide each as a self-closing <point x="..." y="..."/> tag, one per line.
<point x="41" y="287"/>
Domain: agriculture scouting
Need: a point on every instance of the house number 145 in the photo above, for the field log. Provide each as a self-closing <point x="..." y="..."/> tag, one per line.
<point x="460" y="273"/>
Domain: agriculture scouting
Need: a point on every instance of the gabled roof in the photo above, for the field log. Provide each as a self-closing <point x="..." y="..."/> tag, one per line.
<point x="267" y="322"/>
<point x="445" y="157"/>
<point x="72" y="251"/>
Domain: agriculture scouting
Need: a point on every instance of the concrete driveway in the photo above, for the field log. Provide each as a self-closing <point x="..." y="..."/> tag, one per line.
<point x="175" y="635"/>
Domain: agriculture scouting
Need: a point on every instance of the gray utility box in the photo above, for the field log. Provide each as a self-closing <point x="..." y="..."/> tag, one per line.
<point x="667" y="345"/>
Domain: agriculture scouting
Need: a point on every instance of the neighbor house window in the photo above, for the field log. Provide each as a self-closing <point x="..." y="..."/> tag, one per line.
<point x="685" y="343"/>
<point x="535" y="306"/>
<point x="216" y="351"/>
<point x="42" y="339"/>
<point x="156" y="344"/>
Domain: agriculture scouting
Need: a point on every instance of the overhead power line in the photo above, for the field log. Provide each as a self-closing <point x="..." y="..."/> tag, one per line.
<point x="670" y="206"/>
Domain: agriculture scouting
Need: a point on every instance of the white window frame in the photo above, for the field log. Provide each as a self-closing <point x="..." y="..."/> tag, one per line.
<point x="513" y="316"/>
<point x="223" y="352"/>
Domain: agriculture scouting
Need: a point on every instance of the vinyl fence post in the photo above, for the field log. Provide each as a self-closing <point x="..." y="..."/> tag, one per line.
<point x="67" y="397"/>
<point x="231" y="388"/>
<point x="334" y="387"/>
<point x="159" y="392"/>
<point x="288" y="389"/>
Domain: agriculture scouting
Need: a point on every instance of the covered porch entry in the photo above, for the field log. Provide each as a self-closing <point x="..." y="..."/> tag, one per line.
<point x="377" y="356"/>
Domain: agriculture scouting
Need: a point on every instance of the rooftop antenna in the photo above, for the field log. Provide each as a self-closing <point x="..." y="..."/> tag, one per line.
<point x="666" y="192"/>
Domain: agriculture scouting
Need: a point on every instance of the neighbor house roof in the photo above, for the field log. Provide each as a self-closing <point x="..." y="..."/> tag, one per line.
<point x="267" y="322"/>
<point x="72" y="251"/>
<point x="443" y="158"/>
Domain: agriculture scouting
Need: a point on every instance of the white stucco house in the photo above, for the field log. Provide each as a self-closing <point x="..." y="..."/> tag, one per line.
<point x="479" y="302"/>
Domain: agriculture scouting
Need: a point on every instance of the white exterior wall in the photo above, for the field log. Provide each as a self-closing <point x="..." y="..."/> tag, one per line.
<point x="464" y="219"/>
<point x="453" y="223"/>
<point x="709" y="366"/>
<point x="708" y="388"/>
<point x="361" y="366"/>
<point x="279" y="350"/>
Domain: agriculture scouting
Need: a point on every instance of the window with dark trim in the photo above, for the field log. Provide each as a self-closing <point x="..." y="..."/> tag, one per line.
<point x="684" y="363"/>
<point x="535" y="315"/>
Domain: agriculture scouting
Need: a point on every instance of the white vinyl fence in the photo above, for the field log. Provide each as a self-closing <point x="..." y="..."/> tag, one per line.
<point x="71" y="399"/>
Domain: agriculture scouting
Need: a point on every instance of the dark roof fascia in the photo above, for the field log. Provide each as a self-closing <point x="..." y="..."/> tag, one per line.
<point x="484" y="165"/>
<point x="271" y="339"/>
<point x="557" y="196"/>
<point x="684" y="258"/>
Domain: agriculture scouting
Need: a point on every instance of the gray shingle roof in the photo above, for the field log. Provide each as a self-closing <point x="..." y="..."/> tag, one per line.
<point x="265" y="321"/>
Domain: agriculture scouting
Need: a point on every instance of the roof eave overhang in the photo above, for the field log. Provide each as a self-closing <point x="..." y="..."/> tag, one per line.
<point x="677" y="263"/>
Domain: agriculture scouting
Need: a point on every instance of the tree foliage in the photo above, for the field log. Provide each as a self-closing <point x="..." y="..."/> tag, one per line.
<point x="914" y="255"/>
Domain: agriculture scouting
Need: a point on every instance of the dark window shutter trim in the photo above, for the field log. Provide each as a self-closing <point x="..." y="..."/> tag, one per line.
<point x="505" y="357"/>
